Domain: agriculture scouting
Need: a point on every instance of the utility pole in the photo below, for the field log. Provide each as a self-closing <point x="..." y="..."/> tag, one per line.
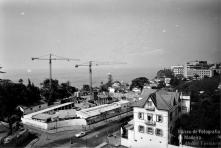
<point x="50" y="66"/>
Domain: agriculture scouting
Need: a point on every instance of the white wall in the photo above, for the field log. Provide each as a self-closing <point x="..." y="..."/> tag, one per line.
<point x="53" y="125"/>
<point x="142" y="142"/>
<point x="70" y="124"/>
<point x="35" y="123"/>
<point x="145" y="139"/>
<point x="66" y="123"/>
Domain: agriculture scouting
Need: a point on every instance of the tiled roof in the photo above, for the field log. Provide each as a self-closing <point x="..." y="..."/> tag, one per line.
<point x="163" y="100"/>
<point x="144" y="95"/>
<point x="146" y="92"/>
<point x="140" y="103"/>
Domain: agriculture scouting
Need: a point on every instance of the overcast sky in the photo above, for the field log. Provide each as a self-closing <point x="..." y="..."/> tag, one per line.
<point x="143" y="33"/>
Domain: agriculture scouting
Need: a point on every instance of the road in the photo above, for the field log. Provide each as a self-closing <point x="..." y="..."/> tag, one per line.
<point x="63" y="139"/>
<point x="92" y="139"/>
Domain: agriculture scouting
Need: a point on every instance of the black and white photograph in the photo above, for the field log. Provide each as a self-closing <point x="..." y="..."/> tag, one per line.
<point x="110" y="73"/>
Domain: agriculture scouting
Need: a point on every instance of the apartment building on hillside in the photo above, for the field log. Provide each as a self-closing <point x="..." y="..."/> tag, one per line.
<point x="177" y="70"/>
<point x="197" y="68"/>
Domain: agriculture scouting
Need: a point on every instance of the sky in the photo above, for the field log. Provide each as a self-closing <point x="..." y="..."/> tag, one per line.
<point x="142" y="33"/>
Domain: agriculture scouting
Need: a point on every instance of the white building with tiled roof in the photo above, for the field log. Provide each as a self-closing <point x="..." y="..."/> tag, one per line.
<point x="154" y="116"/>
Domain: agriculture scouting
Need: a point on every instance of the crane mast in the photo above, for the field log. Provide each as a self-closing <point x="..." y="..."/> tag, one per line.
<point x="50" y="67"/>
<point x="90" y="78"/>
<point x="50" y="72"/>
<point x="90" y="64"/>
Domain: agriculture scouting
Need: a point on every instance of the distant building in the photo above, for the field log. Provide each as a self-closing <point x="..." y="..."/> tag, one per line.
<point x="136" y="90"/>
<point x="154" y="117"/>
<point x="167" y="81"/>
<point x="130" y="96"/>
<point x="197" y="68"/>
<point x="199" y="72"/>
<point x="197" y="65"/>
<point x="178" y="70"/>
<point x="216" y="68"/>
<point x="111" y="89"/>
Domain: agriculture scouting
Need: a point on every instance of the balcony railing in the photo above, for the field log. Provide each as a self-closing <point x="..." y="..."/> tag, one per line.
<point x="151" y="108"/>
<point x="150" y="123"/>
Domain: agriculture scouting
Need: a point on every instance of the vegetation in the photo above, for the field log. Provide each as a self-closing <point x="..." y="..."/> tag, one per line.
<point x="205" y="110"/>
<point x="165" y="73"/>
<point x="57" y="92"/>
<point x="207" y="84"/>
<point x="139" y="83"/>
<point x="203" y="116"/>
<point x="104" y="87"/>
<point x="14" y="94"/>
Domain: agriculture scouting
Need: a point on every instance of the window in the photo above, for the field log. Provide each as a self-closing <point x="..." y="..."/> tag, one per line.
<point x="141" y="129"/>
<point x="150" y="130"/>
<point x="158" y="132"/>
<point x="149" y="117"/>
<point x="159" y="118"/>
<point x="149" y="103"/>
<point x="140" y="116"/>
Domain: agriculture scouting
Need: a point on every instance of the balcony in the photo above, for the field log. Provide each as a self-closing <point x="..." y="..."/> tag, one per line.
<point x="150" y="108"/>
<point x="150" y="123"/>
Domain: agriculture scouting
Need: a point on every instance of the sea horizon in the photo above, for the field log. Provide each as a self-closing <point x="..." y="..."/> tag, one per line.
<point x="79" y="77"/>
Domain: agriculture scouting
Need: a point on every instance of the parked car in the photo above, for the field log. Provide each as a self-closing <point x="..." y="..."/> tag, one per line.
<point x="82" y="133"/>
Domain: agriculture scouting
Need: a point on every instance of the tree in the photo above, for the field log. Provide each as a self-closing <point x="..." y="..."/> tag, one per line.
<point x="20" y="81"/>
<point x="66" y="90"/>
<point x="86" y="87"/>
<point x="58" y="91"/>
<point x="165" y="73"/>
<point x="180" y="76"/>
<point x="139" y="82"/>
<point x="46" y="91"/>
<point x="104" y="87"/>
<point x="205" y="77"/>
<point x="196" y="76"/>
<point x="33" y="93"/>
<point x="12" y="95"/>
<point x="109" y="80"/>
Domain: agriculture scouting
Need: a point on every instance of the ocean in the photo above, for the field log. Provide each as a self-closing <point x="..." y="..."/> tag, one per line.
<point x="79" y="76"/>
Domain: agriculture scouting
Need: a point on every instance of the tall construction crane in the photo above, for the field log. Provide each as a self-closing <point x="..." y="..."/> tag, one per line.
<point x="94" y="63"/>
<point x="50" y="65"/>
